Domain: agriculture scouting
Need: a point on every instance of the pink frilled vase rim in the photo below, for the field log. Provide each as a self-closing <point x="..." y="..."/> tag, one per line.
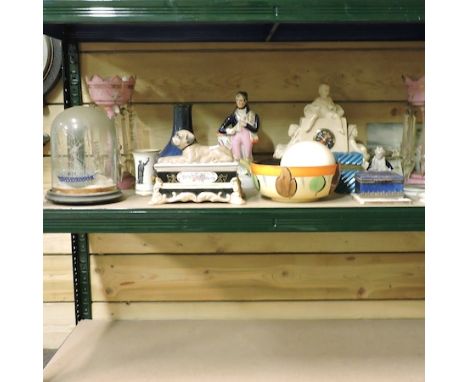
<point x="96" y="79"/>
<point x="111" y="92"/>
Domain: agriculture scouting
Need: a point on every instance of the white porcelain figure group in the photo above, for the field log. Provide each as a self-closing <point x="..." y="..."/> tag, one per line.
<point x="324" y="121"/>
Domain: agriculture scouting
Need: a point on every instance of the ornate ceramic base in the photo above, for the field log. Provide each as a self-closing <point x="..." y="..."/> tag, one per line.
<point x="202" y="196"/>
<point x="197" y="183"/>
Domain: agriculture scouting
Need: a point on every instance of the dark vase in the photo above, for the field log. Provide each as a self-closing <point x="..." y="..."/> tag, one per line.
<point x="182" y="121"/>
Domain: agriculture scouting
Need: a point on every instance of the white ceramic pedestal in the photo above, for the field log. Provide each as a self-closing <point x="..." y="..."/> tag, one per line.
<point x="197" y="182"/>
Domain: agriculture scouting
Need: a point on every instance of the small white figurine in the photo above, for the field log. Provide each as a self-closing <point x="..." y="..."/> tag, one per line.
<point x="379" y="163"/>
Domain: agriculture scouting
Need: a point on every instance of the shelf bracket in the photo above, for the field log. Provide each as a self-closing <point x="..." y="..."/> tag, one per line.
<point x="80" y="252"/>
<point x="272" y="32"/>
<point x="81" y="279"/>
<point x="71" y="74"/>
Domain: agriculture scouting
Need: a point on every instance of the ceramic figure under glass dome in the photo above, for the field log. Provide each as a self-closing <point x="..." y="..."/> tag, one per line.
<point x="84" y="157"/>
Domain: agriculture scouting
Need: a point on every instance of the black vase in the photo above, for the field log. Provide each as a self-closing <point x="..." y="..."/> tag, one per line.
<point x="182" y="121"/>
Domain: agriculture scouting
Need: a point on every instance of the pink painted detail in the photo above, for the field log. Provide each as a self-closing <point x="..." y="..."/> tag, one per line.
<point x="416" y="179"/>
<point x="127" y="182"/>
<point x="111" y="92"/>
<point x="242" y="145"/>
<point x="415" y="90"/>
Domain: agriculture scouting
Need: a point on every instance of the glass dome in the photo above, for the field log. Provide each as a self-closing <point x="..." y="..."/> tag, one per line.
<point x="85" y="159"/>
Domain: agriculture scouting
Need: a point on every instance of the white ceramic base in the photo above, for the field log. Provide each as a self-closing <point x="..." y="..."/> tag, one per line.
<point x="375" y="200"/>
<point x="233" y="198"/>
<point x="143" y="192"/>
<point x="197" y="182"/>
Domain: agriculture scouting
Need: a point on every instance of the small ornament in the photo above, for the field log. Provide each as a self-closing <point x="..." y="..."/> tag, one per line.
<point x="379" y="163"/>
<point x="325" y="137"/>
<point x="239" y="129"/>
<point x="144" y="170"/>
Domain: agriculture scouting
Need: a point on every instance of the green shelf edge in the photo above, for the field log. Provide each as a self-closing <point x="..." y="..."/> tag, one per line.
<point x="275" y="11"/>
<point x="235" y="220"/>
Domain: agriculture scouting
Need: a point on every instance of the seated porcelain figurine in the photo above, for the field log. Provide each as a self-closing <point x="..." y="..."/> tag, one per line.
<point x="321" y="114"/>
<point x="379" y="163"/>
<point x="323" y="106"/>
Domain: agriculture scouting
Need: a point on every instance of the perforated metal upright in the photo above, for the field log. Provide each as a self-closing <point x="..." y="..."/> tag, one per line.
<point x="79" y="241"/>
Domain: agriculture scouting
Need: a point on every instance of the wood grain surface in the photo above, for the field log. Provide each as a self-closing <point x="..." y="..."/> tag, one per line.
<point x="278" y="242"/>
<point x="242" y="277"/>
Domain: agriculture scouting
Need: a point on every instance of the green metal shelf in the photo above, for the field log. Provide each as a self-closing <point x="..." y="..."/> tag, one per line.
<point x="351" y="219"/>
<point x="144" y="11"/>
<point x="227" y="20"/>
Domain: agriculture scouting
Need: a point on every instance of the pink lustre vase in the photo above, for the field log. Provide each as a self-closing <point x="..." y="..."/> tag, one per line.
<point x="111" y="92"/>
<point x="415" y="89"/>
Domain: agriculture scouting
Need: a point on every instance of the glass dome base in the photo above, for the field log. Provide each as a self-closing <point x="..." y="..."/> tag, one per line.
<point x="103" y="197"/>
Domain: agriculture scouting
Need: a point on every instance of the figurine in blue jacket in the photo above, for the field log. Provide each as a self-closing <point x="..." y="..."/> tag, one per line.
<point x="241" y="126"/>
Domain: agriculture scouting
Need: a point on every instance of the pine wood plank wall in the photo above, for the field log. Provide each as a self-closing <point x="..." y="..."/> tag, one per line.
<point x="365" y="78"/>
<point x="295" y="275"/>
<point x="313" y="275"/>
